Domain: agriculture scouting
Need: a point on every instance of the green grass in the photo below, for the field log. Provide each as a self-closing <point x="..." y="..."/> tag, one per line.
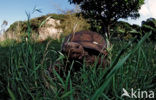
<point x="24" y="72"/>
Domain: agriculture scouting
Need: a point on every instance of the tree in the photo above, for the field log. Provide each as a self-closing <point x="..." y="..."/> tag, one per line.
<point x="149" y="26"/>
<point x="107" y="12"/>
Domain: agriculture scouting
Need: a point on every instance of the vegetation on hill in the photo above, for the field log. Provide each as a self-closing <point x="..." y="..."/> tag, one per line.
<point x="70" y="22"/>
<point x="123" y="30"/>
<point x="120" y="30"/>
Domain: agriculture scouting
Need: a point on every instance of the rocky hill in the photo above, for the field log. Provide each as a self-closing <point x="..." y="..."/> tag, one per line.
<point x="49" y="26"/>
<point x="56" y="25"/>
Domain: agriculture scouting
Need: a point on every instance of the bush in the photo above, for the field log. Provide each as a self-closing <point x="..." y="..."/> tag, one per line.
<point x="149" y="26"/>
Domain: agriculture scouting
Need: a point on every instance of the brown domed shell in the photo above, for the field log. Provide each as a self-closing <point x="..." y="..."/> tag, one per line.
<point x="88" y="39"/>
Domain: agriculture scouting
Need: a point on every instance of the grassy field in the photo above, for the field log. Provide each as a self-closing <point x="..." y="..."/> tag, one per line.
<point x="24" y="74"/>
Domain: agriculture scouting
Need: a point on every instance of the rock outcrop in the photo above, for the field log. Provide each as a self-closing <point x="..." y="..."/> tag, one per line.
<point x="51" y="29"/>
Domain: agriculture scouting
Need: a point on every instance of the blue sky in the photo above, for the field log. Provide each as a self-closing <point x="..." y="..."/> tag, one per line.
<point x="14" y="10"/>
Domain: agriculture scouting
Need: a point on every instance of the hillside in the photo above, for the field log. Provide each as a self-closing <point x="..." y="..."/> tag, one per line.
<point x="56" y="25"/>
<point x="51" y="25"/>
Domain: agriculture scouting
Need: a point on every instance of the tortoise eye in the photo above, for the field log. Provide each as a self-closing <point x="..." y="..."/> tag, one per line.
<point x="73" y="53"/>
<point x="77" y="46"/>
<point x="68" y="46"/>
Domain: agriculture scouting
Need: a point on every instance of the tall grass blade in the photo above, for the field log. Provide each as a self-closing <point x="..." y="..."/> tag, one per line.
<point x="11" y="94"/>
<point x="66" y="94"/>
<point x="108" y="78"/>
<point x="43" y="22"/>
<point x="59" y="77"/>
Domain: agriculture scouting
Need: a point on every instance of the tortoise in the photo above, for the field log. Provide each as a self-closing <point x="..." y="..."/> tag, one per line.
<point x="82" y="45"/>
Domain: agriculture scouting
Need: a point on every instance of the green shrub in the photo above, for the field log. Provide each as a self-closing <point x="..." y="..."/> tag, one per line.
<point x="149" y="25"/>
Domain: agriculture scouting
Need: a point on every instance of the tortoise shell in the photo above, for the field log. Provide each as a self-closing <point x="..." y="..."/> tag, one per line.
<point x="82" y="46"/>
<point x="88" y="39"/>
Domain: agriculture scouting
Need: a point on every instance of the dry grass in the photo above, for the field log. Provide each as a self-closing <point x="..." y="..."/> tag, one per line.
<point x="73" y="23"/>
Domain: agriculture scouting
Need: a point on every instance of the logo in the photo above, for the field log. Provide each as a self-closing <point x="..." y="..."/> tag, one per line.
<point x="137" y="93"/>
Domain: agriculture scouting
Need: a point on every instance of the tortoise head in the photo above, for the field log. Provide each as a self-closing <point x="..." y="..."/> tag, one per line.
<point x="73" y="50"/>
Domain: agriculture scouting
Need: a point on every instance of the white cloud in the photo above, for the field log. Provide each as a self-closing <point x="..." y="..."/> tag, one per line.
<point x="144" y="10"/>
<point x="152" y="7"/>
<point x="148" y="9"/>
